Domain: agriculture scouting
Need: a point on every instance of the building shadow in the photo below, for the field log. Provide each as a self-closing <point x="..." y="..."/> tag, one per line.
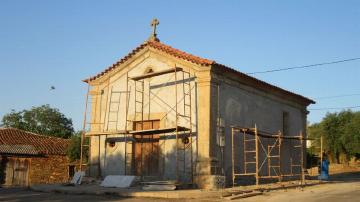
<point x="3" y="163"/>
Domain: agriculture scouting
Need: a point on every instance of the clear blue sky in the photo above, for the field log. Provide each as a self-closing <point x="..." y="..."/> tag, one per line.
<point x="45" y="43"/>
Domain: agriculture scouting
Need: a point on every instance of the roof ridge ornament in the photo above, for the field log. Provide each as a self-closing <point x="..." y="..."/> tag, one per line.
<point x="154" y="23"/>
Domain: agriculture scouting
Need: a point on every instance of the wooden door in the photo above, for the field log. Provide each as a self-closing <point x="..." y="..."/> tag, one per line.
<point x="21" y="170"/>
<point x="17" y="172"/>
<point x="146" y="150"/>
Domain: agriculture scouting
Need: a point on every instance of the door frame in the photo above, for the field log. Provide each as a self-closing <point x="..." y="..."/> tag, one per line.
<point x="154" y="139"/>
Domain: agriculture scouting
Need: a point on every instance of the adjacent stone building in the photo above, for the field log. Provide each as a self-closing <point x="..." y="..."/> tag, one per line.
<point x="27" y="158"/>
<point x="157" y="113"/>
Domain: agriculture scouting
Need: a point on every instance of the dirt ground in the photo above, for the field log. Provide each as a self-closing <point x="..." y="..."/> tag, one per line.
<point x="347" y="191"/>
<point x="342" y="187"/>
<point x="341" y="191"/>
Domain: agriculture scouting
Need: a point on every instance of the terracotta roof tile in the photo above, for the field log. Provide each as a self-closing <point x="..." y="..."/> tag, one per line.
<point x="161" y="47"/>
<point x="180" y="54"/>
<point x="18" y="149"/>
<point x="17" y="141"/>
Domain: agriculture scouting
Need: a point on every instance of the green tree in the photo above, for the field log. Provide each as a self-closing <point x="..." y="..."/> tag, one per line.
<point x="74" y="149"/>
<point x="314" y="132"/>
<point x="341" y="134"/>
<point x="351" y="136"/>
<point x="42" y="120"/>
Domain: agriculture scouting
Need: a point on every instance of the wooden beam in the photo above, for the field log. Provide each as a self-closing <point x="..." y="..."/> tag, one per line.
<point x="152" y="74"/>
<point x="158" y="131"/>
<point x="96" y="133"/>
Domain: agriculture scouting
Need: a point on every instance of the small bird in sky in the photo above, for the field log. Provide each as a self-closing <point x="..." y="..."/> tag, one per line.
<point x="52" y="87"/>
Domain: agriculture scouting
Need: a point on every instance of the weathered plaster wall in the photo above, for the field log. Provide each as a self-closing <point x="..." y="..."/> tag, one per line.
<point x="106" y="160"/>
<point x="245" y="106"/>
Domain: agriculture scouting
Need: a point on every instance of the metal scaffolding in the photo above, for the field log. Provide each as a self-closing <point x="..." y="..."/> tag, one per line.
<point x="182" y="109"/>
<point x="255" y="143"/>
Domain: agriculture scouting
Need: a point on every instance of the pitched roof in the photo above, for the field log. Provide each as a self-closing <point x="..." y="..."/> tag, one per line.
<point x="18" y="149"/>
<point x="16" y="141"/>
<point x="159" y="46"/>
<point x="203" y="62"/>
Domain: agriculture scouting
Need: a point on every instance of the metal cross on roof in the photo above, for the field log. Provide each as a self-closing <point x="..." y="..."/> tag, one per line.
<point x="155" y="22"/>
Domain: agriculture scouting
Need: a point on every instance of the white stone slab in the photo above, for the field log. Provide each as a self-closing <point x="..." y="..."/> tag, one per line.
<point x="77" y="177"/>
<point x="159" y="187"/>
<point x="120" y="181"/>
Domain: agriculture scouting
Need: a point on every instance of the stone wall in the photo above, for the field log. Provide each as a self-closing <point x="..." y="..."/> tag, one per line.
<point x="49" y="170"/>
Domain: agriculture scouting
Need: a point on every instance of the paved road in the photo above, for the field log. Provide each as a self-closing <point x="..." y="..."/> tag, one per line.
<point x="344" y="192"/>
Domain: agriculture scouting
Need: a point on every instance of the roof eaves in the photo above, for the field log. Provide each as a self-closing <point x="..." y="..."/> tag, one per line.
<point x="113" y="66"/>
<point x="42" y="144"/>
<point x="265" y="84"/>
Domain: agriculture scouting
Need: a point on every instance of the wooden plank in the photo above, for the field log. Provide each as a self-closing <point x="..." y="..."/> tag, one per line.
<point x="158" y="131"/>
<point x="159" y="187"/>
<point x="96" y="133"/>
<point x="9" y="171"/>
<point x="20" y="172"/>
<point x="235" y="192"/>
<point x="160" y="182"/>
<point x="152" y="74"/>
<point x="244" y="174"/>
<point x="244" y="195"/>
<point x="264" y="134"/>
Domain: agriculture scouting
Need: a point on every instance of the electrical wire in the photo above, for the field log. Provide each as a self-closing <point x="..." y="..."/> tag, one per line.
<point x="302" y="67"/>
<point x="337" y="96"/>
<point x="329" y="108"/>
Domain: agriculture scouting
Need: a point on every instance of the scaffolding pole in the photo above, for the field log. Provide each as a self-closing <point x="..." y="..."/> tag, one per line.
<point x="184" y="111"/>
<point x="257" y="156"/>
<point x="127" y="160"/>
<point x="84" y="130"/>
<point x="271" y="148"/>
<point x="110" y="124"/>
<point x="176" y="126"/>
<point x="190" y="130"/>
<point x="302" y="159"/>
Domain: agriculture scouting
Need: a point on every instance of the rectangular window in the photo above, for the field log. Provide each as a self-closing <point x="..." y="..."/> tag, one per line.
<point x="71" y="171"/>
<point x="285" y="120"/>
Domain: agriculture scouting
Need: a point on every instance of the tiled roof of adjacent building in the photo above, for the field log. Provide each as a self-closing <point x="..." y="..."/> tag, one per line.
<point x="16" y="141"/>
<point x="200" y="61"/>
<point x="18" y="149"/>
